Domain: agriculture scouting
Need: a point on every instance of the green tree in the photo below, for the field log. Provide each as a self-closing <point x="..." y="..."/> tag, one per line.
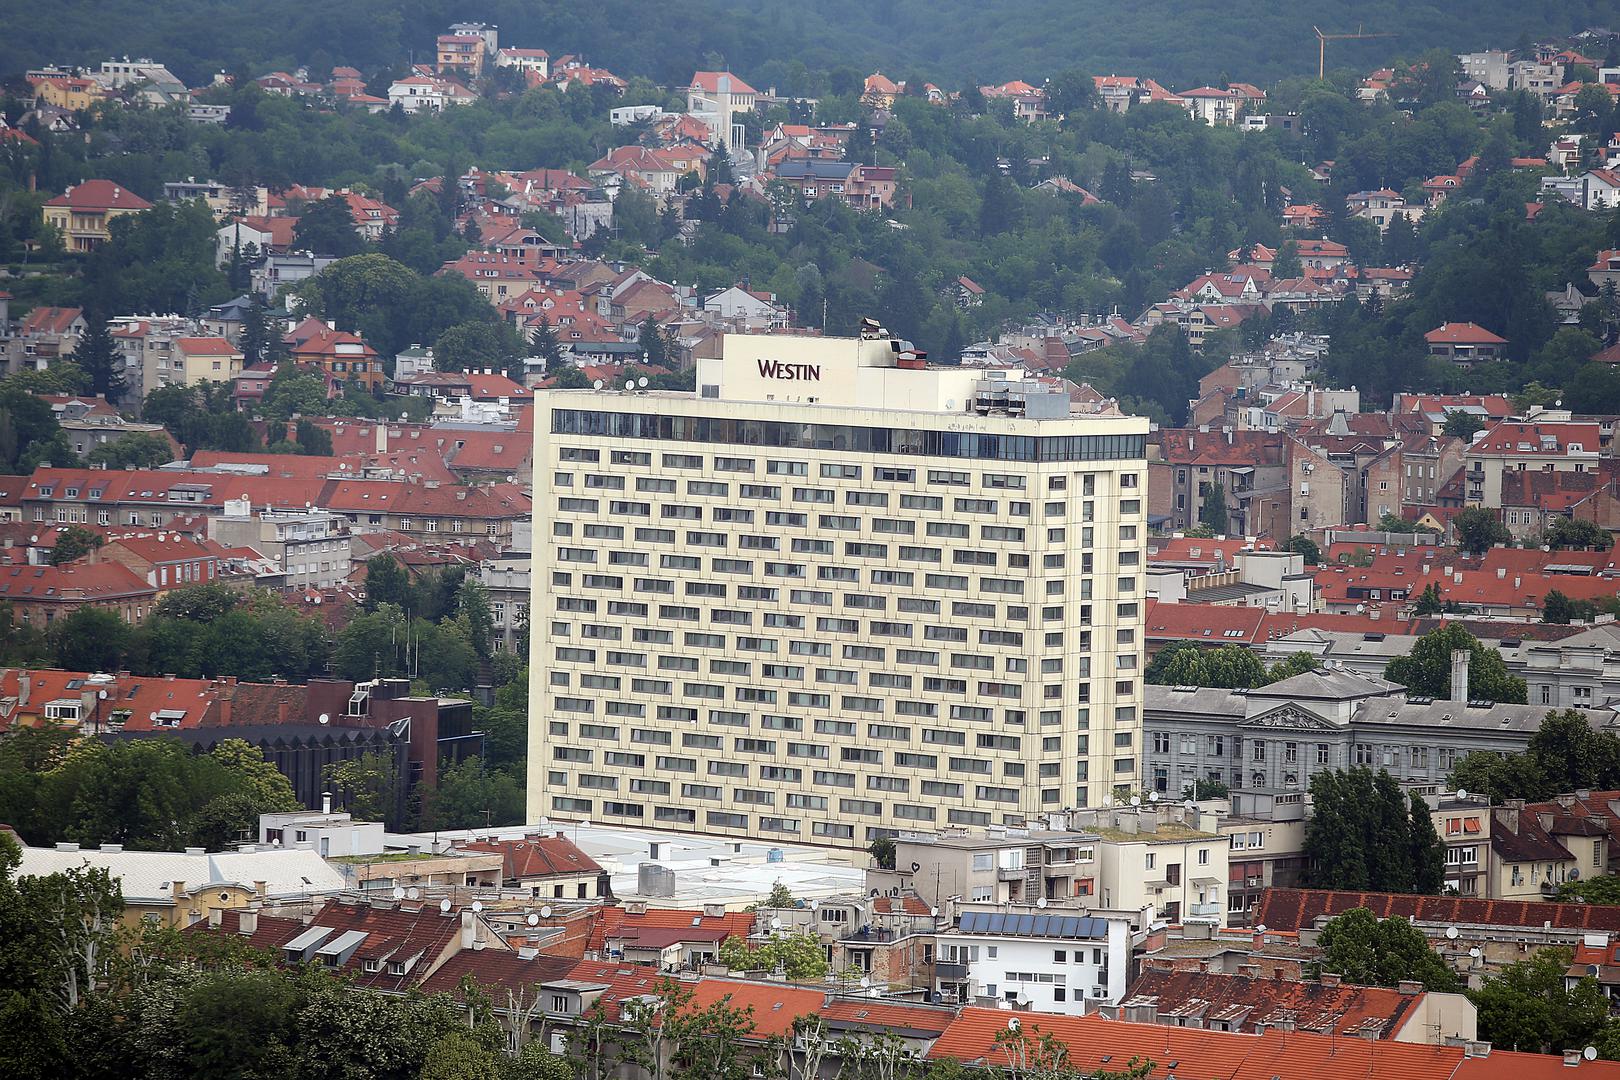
<point x="1426" y="670"/>
<point x="1462" y="425"/>
<point x="882" y="851"/>
<point x="473" y="615"/>
<point x="470" y="796"/>
<point x="386" y="583"/>
<point x="367" y="787"/>
<point x="1001" y="207"/>
<point x="1429" y="601"/>
<point x="1558" y="608"/>
<point x="1532" y="1005"/>
<point x="1365" y="834"/>
<point x="475" y="345"/>
<point x="1368" y="951"/>
<point x="74" y="542"/>
<point x="1070" y="91"/>
<point x="294" y="391"/>
<point x="1188" y="664"/>
<point x="1305" y="546"/>
<point x="102" y="360"/>
<point x="1579" y="534"/>
<point x="1602" y="889"/>
<point x="781" y="897"/>
<point x="1213" y="511"/>
<point x="1479" y="529"/>
<point x="140" y="449"/>
<point x="89" y="639"/>
<point x="326" y="227"/>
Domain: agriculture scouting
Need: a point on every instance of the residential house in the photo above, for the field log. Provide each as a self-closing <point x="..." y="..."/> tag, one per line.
<point x="715" y="98"/>
<point x="82" y="212"/>
<point x="39" y="595"/>
<point x="656" y="170"/>
<point x="526" y="60"/>
<point x="45" y="335"/>
<point x="165" y="561"/>
<point x="865" y="187"/>
<point x="548" y="866"/>
<point x="198" y="360"/>
<point x="1025" y="958"/>
<point x="311" y="547"/>
<point x="1212" y="106"/>
<point x="460" y="55"/>
<point x="1464" y="343"/>
<point x="1511" y="445"/>
<point x="1381" y="207"/>
<point x="337" y="354"/>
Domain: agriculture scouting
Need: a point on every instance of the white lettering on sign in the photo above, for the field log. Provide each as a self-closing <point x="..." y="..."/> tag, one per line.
<point x="776" y="369"/>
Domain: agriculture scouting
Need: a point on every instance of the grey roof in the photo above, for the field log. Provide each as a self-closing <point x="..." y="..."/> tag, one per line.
<point x="814" y="169"/>
<point x="1200" y="700"/>
<point x="1459" y="715"/>
<point x="1080" y="927"/>
<point x="1329" y="684"/>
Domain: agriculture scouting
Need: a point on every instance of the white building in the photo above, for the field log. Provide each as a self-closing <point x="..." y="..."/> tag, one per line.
<point x="333" y="836"/>
<point x="1030" y="958"/>
<point x="418" y="93"/>
<point x="715" y="99"/>
<point x="833" y="594"/>
<point x="310" y="546"/>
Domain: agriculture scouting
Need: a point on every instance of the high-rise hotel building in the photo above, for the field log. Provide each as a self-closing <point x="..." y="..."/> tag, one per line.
<point x="833" y="594"/>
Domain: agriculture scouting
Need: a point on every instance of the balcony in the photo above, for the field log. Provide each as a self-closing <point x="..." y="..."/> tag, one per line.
<point x="1204" y="911"/>
<point x="950" y="972"/>
<point x="1011" y="873"/>
<point x="869" y="935"/>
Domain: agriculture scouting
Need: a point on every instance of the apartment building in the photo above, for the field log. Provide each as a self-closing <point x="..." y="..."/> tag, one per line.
<point x="833" y="594"/>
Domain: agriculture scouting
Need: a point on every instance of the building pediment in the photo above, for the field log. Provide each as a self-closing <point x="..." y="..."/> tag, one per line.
<point x="1289" y="717"/>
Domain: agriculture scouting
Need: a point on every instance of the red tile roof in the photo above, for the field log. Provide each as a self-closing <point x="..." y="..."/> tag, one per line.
<point x="1096" y="1043"/>
<point x="538" y="856"/>
<point x="1462" y="334"/>
<point x="73" y="582"/>
<point x="100" y="195"/>
<point x="614" y="921"/>
<point x="1295" y="909"/>
<point x="709" y="83"/>
<point x="1248" y="1004"/>
<point x="1511" y="437"/>
<point x="49" y="320"/>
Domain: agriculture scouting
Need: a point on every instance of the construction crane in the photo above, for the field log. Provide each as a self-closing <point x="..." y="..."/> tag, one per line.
<point x="1322" y="40"/>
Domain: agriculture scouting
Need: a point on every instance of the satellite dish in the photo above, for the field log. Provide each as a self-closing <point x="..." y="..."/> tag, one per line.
<point x="413" y="894"/>
<point x="1474" y="952"/>
<point x="1590" y="1053"/>
<point x="478" y="905"/>
<point x="950" y="403"/>
<point x="933" y="912"/>
<point x="545" y="912"/>
<point x="1260" y="929"/>
<point x="776" y="924"/>
<point x="597" y="385"/>
<point x="1153" y="796"/>
<point x="584" y="823"/>
<point x="1461" y="794"/>
<point x="444" y="906"/>
<point x="533" y="919"/>
<point x="399" y="893"/>
<point x="642" y="382"/>
<point x="1451" y="933"/>
<point x="326" y="718"/>
<point x="102" y="694"/>
<point x="1041" y="902"/>
<point x="1136" y="800"/>
<point x="1012" y="1023"/>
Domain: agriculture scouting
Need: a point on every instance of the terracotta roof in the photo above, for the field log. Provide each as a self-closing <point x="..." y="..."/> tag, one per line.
<point x="537" y="857"/>
<point x="1462" y="334"/>
<point x="1247" y="1003"/>
<point x="498" y="971"/>
<point x="614" y="921"/>
<point x="909" y="904"/>
<point x="49" y="320"/>
<point x="709" y="82"/>
<point x="917" y="1021"/>
<point x="1096" y="1043"/>
<point x="1295" y="909"/>
<point x="70" y="583"/>
<point x="1511" y="437"/>
<point x="205" y="346"/>
<point x="100" y="195"/>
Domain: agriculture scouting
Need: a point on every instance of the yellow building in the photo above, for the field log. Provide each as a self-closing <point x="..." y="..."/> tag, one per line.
<point x="68" y="92"/>
<point x="81" y="213"/>
<point x="833" y="594"/>
<point x="197" y="360"/>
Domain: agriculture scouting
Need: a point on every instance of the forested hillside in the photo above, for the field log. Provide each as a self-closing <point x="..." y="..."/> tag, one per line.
<point x="779" y="42"/>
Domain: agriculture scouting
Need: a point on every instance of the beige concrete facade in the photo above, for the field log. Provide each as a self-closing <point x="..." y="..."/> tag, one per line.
<point x="831" y="595"/>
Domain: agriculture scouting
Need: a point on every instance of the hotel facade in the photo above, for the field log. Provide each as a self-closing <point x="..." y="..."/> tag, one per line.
<point x="831" y="595"/>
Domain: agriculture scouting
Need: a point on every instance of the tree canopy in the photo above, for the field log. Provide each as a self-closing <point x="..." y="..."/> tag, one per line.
<point x="1426" y="670"/>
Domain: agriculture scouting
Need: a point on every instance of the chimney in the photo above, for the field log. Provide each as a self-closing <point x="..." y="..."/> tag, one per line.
<point x="326" y="802"/>
<point x="468" y="932"/>
<point x="1508" y="814"/>
<point x="261" y="889"/>
<point x="1330" y="978"/>
<point x="1410" y="987"/>
<point x="247" y="922"/>
<point x="382" y="438"/>
<point x="1459" y="675"/>
<point x="215" y="915"/>
<point x="25" y="685"/>
<point x="177" y="889"/>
